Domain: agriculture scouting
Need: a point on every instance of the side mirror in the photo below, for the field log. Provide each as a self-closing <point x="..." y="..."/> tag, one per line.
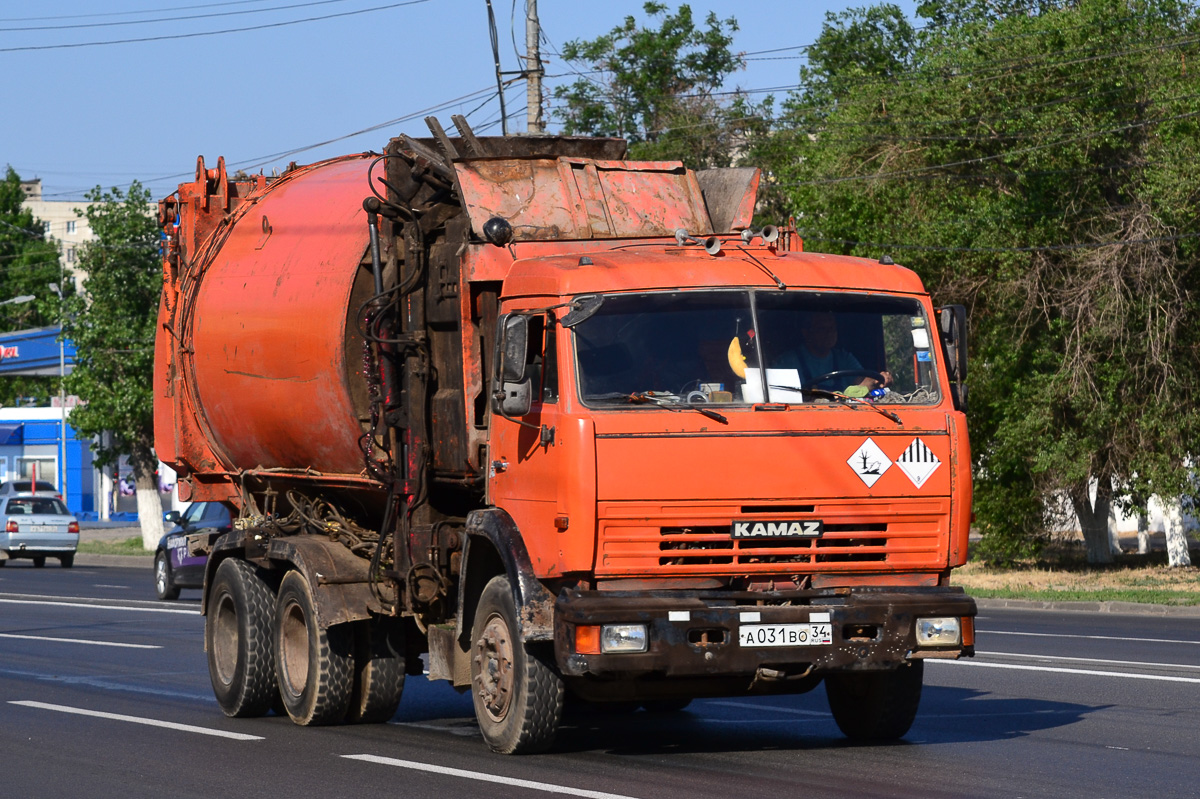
<point x="514" y="344"/>
<point x="172" y="517"/>
<point x="516" y="399"/>
<point x="513" y="391"/>
<point x="952" y="323"/>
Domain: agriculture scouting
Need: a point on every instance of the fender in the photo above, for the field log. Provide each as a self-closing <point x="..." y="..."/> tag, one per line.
<point x="337" y="577"/>
<point x="535" y="604"/>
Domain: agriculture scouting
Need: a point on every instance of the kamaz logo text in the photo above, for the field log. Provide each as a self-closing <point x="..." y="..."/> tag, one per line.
<point x="797" y="529"/>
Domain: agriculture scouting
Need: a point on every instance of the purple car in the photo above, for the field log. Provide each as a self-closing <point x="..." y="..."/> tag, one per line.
<point x="183" y="552"/>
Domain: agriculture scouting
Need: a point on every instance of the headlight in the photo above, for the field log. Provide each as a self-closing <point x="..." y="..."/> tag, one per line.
<point x="939" y="632"/>
<point x="623" y="638"/>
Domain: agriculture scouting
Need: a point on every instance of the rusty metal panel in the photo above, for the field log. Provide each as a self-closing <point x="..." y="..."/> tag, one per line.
<point x="571" y="198"/>
<point x="269" y="326"/>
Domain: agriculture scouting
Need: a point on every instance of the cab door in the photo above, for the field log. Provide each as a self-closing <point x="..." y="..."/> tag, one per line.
<point x="525" y="459"/>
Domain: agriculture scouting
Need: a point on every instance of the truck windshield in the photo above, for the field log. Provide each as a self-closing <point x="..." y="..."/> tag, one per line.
<point x="739" y="347"/>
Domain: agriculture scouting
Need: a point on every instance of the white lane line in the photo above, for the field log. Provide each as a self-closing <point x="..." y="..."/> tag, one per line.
<point x="77" y="641"/>
<point x="772" y="708"/>
<point x="484" y="777"/>
<point x="169" y="725"/>
<point x="98" y="607"/>
<point x="1085" y="672"/>
<point x="1090" y="660"/>
<point x="1089" y="637"/>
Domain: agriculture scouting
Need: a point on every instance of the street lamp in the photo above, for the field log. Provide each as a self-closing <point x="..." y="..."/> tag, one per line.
<point x="62" y="395"/>
<point x="15" y="300"/>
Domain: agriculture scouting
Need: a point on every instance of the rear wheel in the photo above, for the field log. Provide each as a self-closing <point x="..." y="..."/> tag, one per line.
<point x="518" y="696"/>
<point x="378" y="671"/>
<point x="876" y="705"/>
<point x="315" y="667"/>
<point x="67" y="561"/>
<point x="237" y="632"/>
<point x="39" y="561"/>
<point x="164" y="584"/>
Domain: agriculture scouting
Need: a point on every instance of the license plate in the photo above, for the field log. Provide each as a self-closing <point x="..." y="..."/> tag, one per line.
<point x="40" y="528"/>
<point x="785" y="634"/>
<point x="780" y="528"/>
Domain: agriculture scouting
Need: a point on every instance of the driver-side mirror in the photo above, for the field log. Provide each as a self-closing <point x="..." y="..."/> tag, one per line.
<point x="514" y="344"/>
<point x="513" y="393"/>
<point x="172" y="517"/>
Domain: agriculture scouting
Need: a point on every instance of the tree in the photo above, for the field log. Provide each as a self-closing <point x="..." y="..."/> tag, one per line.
<point x="657" y="88"/>
<point x="113" y="330"/>
<point x="1038" y="163"/>
<point x="28" y="261"/>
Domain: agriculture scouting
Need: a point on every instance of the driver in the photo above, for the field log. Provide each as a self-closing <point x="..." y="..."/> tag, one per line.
<point x="819" y="355"/>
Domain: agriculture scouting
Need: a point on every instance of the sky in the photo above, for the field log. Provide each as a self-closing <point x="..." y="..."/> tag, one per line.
<point x="81" y="116"/>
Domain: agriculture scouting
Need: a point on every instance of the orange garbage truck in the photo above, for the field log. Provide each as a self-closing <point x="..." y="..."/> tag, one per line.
<point x="559" y="428"/>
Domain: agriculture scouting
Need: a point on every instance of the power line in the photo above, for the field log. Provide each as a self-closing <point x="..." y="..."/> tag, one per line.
<point x="170" y="19"/>
<point x="211" y="33"/>
<point x="128" y="13"/>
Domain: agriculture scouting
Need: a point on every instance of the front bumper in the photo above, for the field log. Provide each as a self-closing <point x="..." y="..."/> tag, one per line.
<point x="696" y="634"/>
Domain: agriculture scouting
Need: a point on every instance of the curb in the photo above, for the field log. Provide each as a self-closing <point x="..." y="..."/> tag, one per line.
<point x="128" y="561"/>
<point x="1118" y="608"/>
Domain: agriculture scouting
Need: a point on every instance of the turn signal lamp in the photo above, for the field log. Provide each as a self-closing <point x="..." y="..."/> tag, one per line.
<point x="11" y="527"/>
<point x="73" y="527"/>
<point x="945" y="631"/>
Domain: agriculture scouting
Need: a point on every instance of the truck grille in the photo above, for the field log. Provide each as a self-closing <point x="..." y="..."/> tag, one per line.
<point x="855" y="538"/>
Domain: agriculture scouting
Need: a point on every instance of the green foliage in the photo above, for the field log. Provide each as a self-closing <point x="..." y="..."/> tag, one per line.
<point x="28" y="262"/>
<point x="113" y="328"/>
<point x="1038" y="163"/>
<point x="656" y="89"/>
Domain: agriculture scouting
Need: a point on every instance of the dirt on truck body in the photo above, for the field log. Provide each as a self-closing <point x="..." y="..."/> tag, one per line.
<point x="555" y="423"/>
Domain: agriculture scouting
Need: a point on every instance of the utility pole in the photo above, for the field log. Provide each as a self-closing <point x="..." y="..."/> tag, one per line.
<point x="533" y="69"/>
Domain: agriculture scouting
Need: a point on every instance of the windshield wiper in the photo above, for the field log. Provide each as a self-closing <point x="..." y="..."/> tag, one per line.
<point x="676" y="405"/>
<point x="854" y="402"/>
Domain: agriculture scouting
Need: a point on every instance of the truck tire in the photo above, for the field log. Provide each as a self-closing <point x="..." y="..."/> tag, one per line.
<point x="315" y="667"/>
<point x="164" y="585"/>
<point x="518" y="695"/>
<point x="876" y="705"/>
<point x="237" y="637"/>
<point x="378" y="671"/>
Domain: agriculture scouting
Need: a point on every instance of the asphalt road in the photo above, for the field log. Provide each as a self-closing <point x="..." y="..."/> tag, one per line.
<point x="104" y="693"/>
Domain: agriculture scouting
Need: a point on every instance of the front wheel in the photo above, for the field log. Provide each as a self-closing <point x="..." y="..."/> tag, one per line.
<point x="164" y="584"/>
<point x="315" y="667"/>
<point x="518" y="695"/>
<point x="237" y="637"/>
<point x="876" y="705"/>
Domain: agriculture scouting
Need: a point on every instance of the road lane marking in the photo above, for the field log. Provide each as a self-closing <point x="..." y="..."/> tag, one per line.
<point x="1056" y="670"/>
<point x="484" y="777"/>
<point x="1090" y="660"/>
<point x="1089" y="637"/>
<point x="78" y="641"/>
<point x="96" y="606"/>
<point x="774" y="708"/>
<point x="170" y="725"/>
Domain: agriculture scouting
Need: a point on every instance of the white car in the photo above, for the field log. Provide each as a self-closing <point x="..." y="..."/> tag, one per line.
<point x="37" y="526"/>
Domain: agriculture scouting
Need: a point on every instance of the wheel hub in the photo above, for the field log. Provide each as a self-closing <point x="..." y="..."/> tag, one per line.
<point x="494" y="668"/>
